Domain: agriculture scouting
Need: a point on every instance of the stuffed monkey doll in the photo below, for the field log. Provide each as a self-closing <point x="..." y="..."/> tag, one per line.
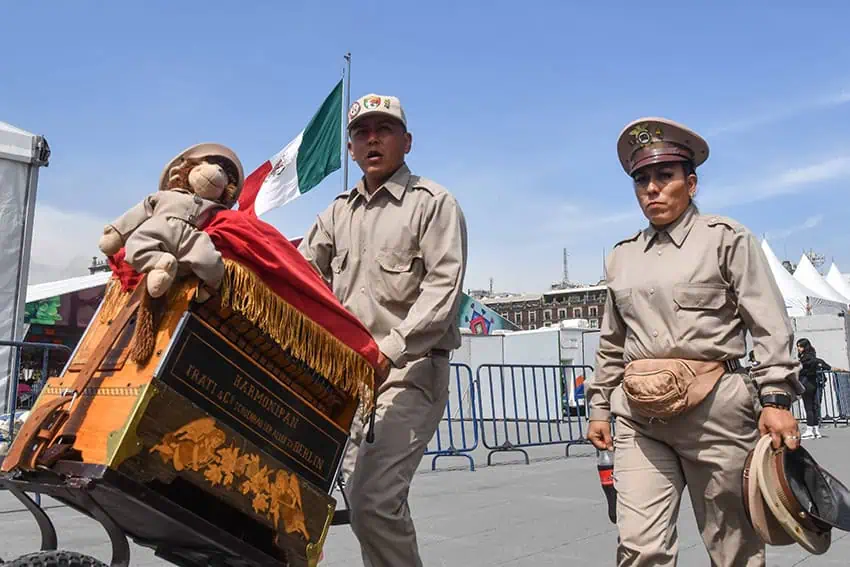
<point x="162" y="234"/>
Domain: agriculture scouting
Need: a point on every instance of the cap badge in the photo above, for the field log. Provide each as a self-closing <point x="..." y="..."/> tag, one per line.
<point x="387" y="103"/>
<point x="372" y="102"/>
<point x="641" y="135"/>
<point x="355" y="110"/>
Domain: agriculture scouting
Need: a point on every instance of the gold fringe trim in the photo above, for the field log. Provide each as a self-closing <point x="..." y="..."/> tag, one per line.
<point x="243" y="291"/>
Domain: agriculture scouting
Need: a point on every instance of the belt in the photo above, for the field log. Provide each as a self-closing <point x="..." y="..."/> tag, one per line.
<point x="732" y="365"/>
<point x="439" y="352"/>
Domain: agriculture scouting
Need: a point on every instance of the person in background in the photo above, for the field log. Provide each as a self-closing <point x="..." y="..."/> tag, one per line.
<point x="812" y="378"/>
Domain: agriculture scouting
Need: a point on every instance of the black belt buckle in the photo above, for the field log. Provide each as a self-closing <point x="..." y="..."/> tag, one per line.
<point x="732" y="365"/>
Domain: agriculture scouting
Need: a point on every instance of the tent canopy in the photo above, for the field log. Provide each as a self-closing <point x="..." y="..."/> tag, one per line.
<point x="835" y="279"/>
<point x="22" y="146"/>
<point x="22" y="154"/>
<point x="53" y="289"/>
<point x="809" y="277"/>
<point x="799" y="299"/>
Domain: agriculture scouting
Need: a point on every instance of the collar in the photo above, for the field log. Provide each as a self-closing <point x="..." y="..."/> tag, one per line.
<point x="678" y="230"/>
<point x="396" y="185"/>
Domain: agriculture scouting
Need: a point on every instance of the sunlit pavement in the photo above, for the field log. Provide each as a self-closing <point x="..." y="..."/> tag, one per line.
<point x="550" y="512"/>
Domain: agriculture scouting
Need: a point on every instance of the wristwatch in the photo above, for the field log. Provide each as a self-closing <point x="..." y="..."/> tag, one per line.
<point x="776" y="400"/>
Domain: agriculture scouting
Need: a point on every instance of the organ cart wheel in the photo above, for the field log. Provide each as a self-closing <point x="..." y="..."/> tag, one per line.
<point x="58" y="558"/>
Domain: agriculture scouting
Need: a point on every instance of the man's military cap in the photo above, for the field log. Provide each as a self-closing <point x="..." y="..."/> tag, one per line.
<point x="376" y="104"/>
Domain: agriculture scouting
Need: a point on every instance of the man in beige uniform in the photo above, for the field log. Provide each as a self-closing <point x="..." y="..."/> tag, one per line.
<point x="394" y="249"/>
<point x="686" y="289"/>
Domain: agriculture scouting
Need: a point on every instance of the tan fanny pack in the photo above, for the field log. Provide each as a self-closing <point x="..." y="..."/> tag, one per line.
<point x="663" y="388"/>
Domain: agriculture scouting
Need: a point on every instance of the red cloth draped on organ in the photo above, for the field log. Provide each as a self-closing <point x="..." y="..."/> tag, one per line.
<point x="261" y="248"/>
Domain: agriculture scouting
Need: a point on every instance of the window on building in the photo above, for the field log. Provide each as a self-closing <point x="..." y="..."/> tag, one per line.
<point x="577" y="312"/>
<point x="532" y="326"/>
<point x="547" y="315"/>
<point x="593" y="311"/>
<point x="562" y="314"/>
<point x="532" y="316"/>
<point x="518" y="318"/>
<point x="594" y="323"/>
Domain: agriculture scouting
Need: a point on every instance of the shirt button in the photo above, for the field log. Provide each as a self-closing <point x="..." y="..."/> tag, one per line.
<point x="362" y="290"/>
<point x="659" y="252"/>
<point x="651" y="291"/>
<point x="654" y="333"/>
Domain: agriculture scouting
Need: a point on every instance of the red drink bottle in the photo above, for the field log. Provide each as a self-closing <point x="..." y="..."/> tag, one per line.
<point x="605" y="466"/>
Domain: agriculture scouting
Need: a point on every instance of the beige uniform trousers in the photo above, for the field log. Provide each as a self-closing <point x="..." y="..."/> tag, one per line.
<point x="378" y="475"/>
<point x="704" y="449"/>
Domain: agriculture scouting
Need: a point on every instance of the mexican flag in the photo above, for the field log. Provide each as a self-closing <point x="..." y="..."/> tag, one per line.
<point x="310" y="157"/>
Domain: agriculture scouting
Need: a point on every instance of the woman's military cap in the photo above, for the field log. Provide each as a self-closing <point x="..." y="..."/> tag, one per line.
<point x="654" y="140"/>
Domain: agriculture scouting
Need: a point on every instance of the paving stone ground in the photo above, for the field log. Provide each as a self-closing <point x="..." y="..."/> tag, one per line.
<point x="547" y="513"/>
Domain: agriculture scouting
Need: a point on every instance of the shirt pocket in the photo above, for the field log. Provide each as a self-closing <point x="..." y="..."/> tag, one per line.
<point x="399" y="275"/>
<point x="700" y="296"/>
<point x="702" y="312"/>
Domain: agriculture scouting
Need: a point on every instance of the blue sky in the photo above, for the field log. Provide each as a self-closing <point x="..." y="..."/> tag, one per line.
<point x="514" y="106"/>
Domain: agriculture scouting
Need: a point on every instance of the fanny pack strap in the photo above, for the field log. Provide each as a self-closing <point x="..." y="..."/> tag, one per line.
<point x="697" y="366"/>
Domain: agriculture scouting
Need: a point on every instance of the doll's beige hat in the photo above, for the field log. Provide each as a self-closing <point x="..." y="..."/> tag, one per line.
<point x="223" y="155"/>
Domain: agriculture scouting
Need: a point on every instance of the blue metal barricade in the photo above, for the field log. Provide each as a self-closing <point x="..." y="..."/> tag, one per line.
<point x="13" y="407"/>
<point x="834" y="395"/>
<point x="12" y="397"/>
<point x="528" y="405"/>
<point x="841" y="386"/>
<point x="833" y="399"/>
<point x="457" y="434"/>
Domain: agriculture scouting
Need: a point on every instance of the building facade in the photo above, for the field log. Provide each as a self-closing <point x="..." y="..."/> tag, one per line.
<point x="532" y="311"/>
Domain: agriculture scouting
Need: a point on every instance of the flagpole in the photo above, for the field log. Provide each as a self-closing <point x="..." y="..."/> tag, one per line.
<point x="344" y="133"/>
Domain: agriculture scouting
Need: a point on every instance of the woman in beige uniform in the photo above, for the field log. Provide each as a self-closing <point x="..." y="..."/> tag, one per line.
<point x="682" y="294"/>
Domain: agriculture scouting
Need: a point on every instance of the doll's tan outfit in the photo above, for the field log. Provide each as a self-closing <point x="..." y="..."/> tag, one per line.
<point x="168" y="222"/>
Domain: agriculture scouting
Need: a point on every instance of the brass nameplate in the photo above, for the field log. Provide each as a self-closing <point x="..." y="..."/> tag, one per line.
<point x="215" y="375"/>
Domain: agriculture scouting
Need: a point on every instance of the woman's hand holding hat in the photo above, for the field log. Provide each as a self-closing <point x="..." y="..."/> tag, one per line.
<point x="782" y="427"/>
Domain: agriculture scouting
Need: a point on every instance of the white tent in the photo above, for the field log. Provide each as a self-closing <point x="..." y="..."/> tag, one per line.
<point x="807" y="275"/>
<point x="838" y="281"/>
<point x="37" y="292"/>
<point x="21" y="156"/>
<point x="799" y="299"/>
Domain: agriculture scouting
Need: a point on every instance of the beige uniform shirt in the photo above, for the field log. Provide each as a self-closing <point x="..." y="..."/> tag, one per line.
<point x="397" y="261"/>
<point x="692" y="291"/>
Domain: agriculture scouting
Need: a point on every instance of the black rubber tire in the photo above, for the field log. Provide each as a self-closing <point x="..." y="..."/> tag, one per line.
<point x="58" y="558"/>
